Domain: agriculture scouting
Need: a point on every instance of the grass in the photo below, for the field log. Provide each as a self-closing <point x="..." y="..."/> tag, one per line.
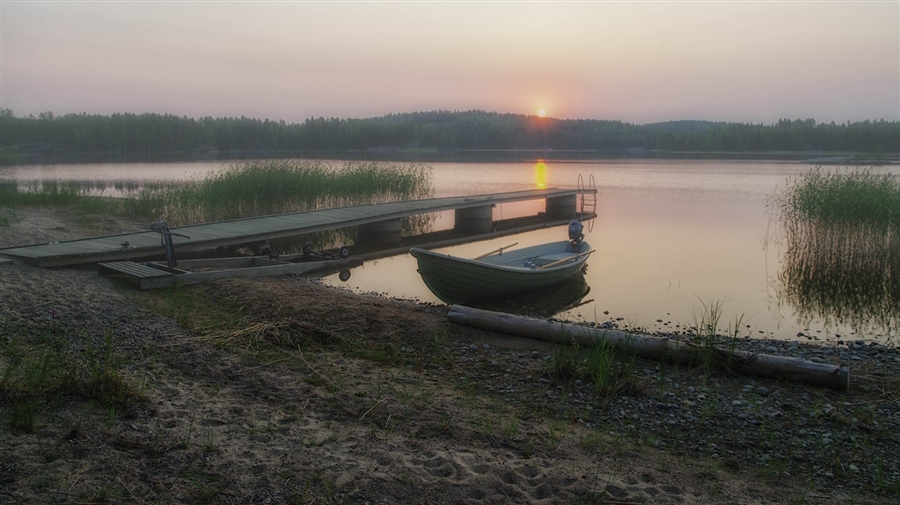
<point x="842" y="253"/>
<point x="276" y="187"/>
<point x="47" y="193"/>
<point x="40" y="371"/>
<point x="247" y="190"/>
<point x="705" y="335"/>
<point x="609" y="370"/>
<point x="859" y="197"/>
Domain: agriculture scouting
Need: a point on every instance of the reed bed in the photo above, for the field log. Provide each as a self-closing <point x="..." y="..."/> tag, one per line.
<point x="841" y="234"/>
<point x="47" y="194"/>
<point x="830" y="197"/>
<point x="276" y="187"/>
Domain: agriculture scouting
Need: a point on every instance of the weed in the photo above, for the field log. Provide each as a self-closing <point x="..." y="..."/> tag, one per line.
<point x="23" y="415"/>
<point x="185" y="441"/>
<point x="564" y="366"/>
<point x="511" y="427"/>
<point x="112" y="418"/>
<point x="107" y="492"/>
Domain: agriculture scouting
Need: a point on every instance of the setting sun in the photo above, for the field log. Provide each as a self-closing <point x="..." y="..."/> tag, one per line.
<point x="542" y="113"/>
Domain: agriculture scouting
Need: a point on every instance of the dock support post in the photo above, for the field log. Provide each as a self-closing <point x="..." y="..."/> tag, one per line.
<point x="474" y="219"/>
<point x="382" y="233"/>
<point x="562" y="207"/>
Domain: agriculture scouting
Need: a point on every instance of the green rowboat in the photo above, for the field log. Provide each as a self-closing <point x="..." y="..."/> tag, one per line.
<point x="461" y="280"/>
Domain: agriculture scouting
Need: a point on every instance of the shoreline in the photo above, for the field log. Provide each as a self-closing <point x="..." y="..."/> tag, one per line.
<point x="284" y="390"/>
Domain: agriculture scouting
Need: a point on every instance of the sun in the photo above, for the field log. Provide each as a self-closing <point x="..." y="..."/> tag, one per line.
<point x="542" y="113"/>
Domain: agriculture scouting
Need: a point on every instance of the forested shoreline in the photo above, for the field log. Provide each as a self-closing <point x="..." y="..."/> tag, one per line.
<point x="48" y="135"/>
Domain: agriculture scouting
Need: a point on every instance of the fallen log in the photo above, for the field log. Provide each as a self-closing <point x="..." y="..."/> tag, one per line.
<point x="657" y="348"/>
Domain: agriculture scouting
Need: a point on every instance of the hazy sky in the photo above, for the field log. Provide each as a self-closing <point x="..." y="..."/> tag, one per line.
<point x="639" y="62"/>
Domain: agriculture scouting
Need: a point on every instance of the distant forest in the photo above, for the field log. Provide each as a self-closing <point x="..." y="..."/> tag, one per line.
<point x="438" y="130"/>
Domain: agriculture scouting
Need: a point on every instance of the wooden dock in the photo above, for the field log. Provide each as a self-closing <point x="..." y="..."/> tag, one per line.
<point x="473" y="214"/>
<point x="152" y="275"/>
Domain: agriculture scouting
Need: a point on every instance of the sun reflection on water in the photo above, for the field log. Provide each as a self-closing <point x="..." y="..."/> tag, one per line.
<point x="540" y="175"/>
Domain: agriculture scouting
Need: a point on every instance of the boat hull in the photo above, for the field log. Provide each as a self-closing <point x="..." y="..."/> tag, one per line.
<point x="461" y="280"/>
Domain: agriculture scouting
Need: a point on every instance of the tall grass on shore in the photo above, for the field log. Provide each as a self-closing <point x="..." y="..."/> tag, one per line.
<point x="281" y="186"/>
<point x="50" y="194"/>
<point x="841" y="236"/>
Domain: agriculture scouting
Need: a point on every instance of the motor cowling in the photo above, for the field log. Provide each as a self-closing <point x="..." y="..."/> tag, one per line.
<point x="576" y="235"/>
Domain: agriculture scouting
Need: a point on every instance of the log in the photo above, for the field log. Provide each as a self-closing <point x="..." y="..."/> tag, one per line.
<point x="657" y="348"/>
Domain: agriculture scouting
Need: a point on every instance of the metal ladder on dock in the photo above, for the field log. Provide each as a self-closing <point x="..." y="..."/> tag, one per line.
<point x="588" y="194"/>
<point x="588" y="197"/>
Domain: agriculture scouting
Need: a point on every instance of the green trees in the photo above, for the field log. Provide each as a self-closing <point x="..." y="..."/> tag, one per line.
<point x="475" y="129"/>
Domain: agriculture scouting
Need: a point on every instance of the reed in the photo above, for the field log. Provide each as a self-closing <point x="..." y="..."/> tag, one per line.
<point x="858" y="197"/>
<point x="49" y="194"/>
<point x="841" y="249"/>
<point x="281" y="186"/>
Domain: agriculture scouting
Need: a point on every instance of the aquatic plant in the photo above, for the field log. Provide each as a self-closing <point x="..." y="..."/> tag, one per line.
<point x="47" y="193"/>
<point x="842" y="249"/>
<point x="858" y="197"/>
<point x="282" y="186"/>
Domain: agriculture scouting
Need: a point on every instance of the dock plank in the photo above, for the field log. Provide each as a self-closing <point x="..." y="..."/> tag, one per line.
<point x="256" y="229"/>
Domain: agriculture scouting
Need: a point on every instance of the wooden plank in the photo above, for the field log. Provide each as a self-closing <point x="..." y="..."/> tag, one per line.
<point x="246" y="261"/>
<point x="131" y="269"/>
<point x="253" y="272"/>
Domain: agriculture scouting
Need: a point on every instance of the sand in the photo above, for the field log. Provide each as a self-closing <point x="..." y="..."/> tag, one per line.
<point x="323" y="396"/>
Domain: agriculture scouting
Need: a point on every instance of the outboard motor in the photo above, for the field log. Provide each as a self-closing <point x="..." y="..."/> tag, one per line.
<point x="575" y="236"/>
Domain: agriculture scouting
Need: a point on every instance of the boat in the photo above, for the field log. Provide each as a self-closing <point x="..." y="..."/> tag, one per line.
<point x="457" y="280"/>
<point x="544" y="302"/>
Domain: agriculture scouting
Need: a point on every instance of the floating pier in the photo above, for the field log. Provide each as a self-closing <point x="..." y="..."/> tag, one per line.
<point x="375" y="223"/>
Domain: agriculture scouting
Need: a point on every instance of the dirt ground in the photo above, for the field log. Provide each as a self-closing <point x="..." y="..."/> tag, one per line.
<point x="306" y="394"/>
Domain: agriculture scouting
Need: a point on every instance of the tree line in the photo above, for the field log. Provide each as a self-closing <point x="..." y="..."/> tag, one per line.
<point x="468" y="130"/>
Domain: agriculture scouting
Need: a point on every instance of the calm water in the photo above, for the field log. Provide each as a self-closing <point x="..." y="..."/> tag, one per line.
<point x="671" y="238"/>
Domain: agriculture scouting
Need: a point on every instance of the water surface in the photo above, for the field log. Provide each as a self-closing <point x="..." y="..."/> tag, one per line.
<point x="672" y="237"/>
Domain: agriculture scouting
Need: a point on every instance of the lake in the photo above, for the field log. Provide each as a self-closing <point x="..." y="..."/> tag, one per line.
<point x="672" y="238"/>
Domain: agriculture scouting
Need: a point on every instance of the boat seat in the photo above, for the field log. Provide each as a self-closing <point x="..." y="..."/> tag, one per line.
<point x="550" y="258"/>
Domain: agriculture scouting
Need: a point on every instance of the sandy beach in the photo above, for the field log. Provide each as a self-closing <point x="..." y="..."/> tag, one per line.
<point x="305" y="394"/>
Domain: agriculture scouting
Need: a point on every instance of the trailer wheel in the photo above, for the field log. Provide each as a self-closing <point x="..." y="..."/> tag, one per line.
<point x="344" y="252"/>
<point x="344" y="276"/>
<point x="307" y="249"/>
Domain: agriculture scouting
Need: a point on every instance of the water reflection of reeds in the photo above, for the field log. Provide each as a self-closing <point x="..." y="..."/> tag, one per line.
<point x="846" y="274"/>
<point x="842" y="251"/>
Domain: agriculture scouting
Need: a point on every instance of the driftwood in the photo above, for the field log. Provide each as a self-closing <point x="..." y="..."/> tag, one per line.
<point x="657" y="348"/>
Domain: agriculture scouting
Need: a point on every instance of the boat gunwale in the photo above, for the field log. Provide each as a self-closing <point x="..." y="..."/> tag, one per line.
<point x="578" y="258"/>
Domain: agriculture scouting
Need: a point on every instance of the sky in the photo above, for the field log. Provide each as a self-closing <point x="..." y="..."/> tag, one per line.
<point x="639" y="62"/>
